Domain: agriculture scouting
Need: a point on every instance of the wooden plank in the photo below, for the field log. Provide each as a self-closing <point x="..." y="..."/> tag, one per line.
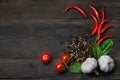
<point x="43" y="9"/>
<point x="30" y="27"/>
<point x="33" y="68"/>
<point x="28" y="39"/>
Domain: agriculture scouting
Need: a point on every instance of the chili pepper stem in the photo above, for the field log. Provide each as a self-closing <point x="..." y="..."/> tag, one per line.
<point x="98" y="38"/>
<point x="86" y="17"/>
<point x="92" y="34"/>
<point x="99" y="20"/>
<point x="95" y="42"/>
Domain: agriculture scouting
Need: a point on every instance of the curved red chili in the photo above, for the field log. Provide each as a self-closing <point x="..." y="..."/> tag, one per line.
<point x="76" y="8"/>
<point x="106" y="27"/>
<point x="99" y="28"/>
<point x="103" y="13"/>
<point x="95" y="11"/>
<point x="103" y="39"/>
<point x="94" y="31"/>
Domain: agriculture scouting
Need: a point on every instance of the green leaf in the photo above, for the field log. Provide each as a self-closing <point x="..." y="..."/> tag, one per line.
<point x="104" y="49"/>
<point x="97" y="51"/>
<point x="106" y="46"/>
<point x="94" y="52"/>
<point x="75" y="68"/>
<point x="106" y="43"/>
<point x="107" y="51"/>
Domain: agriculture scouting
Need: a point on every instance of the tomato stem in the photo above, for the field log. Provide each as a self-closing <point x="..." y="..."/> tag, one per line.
<point x="66" y="66"/>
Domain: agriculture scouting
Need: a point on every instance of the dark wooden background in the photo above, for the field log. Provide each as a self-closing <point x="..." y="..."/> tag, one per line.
<point x="30" y="27"/>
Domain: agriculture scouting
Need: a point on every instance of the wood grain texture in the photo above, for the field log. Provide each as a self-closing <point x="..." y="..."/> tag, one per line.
<point x="45" y="9"/>
<point x="30" y="27"/>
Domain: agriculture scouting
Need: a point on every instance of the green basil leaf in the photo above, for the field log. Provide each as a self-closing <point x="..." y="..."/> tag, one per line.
<point x="94" y="52"/>
<point x="107" y="51"/>
<point x="106" y="43"/>
<point x="76" y="68"/>
<point x="106" y="46"/>
<point x="97" y="51"/>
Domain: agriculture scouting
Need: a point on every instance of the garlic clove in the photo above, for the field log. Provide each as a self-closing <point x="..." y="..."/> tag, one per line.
<point x="106" y="63"/>
<point x="89" y="65"/>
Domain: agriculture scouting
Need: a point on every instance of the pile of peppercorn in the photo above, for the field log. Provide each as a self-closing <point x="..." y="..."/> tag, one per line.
<point x="79" y="49"/>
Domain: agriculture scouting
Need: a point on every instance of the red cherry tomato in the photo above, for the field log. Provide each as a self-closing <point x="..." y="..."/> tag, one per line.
<point x="60" y="67"/>
<point x="65" y="58"/>
<point x="45" y="58"/>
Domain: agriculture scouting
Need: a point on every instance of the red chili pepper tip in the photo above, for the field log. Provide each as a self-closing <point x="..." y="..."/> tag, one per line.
<point x="103" y="13"/>
<point x="95" y="11"/>
<point x="106" y="28"/>
<point x="76" y="8"/>
<point x="103" y="39"/>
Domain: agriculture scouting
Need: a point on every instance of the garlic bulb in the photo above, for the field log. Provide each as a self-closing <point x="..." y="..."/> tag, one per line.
<point x="106" y="63"/>
<point x="89" y="65"/>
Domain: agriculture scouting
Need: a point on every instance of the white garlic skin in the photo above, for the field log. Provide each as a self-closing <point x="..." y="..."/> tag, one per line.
<point x="106" y="63"/>
<point x="89" y="65"/>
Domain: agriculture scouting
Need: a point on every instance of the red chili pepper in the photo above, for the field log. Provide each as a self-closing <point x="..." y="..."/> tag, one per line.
<point x="106" y="27"/>
<point x="76" y="8"/>
<point x="103" y="13"/>
<point x="99" y="28"/>
<point x="103" y="39"/>
<point x="95" y="11"/>
<point x="94" y="31"/>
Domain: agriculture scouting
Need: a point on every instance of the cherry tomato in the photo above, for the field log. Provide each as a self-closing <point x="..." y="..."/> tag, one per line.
<point x="60" y="67"/>
<point x="65" y="58"/>
<point x="45" y="58"/>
